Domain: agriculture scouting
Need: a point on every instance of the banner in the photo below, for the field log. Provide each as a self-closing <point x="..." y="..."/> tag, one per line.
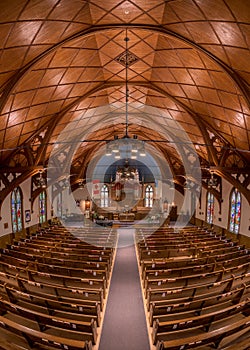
<point x="95" y="188"/>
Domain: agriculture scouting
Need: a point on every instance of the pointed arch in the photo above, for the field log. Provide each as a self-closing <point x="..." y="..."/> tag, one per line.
<point x="210" y="207"/>
<point x="234" y="211"/>
<point x="17" y="210"/>
<point x="104" y="196"/>
<point x="42" y="207"/>
<point x="149" y="196"/>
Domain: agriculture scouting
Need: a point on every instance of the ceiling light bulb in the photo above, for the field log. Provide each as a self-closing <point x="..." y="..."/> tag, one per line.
<point x="108" y="151"/>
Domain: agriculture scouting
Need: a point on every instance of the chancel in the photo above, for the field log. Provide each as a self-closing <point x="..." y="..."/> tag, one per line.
<point x="124" y="175"/>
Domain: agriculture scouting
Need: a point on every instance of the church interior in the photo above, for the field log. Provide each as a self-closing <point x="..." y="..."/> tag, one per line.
<point x="124" y="174"/>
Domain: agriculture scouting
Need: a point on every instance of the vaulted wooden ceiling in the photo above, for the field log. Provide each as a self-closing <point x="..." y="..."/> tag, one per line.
<point x="60" y="66"/>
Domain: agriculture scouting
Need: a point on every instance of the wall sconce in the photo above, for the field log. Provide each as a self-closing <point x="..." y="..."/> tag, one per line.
<point x="87" y="204"/>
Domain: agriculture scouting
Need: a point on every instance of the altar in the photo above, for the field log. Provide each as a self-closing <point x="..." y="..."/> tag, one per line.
<point x="126" y="216"/>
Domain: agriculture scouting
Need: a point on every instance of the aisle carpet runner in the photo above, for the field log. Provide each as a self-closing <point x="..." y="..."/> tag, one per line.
<point x="124" y="326"/>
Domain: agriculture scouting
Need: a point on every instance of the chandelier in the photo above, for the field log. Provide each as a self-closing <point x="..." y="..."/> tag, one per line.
<point x="127" y="173"/>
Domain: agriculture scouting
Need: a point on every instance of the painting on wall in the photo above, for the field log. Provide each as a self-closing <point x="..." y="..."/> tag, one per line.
<point x="27" y="216"/>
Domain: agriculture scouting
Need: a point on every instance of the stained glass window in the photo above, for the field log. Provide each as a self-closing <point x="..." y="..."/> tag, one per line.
<point x="16" y="210"/>
<point x="149" y="196"/>
<point x="104" y="196"/>
<point x="235" y="212"/>
<point x="59" y="204"/>
<point x="210" y="207"/>
<point x="42" y="207"/>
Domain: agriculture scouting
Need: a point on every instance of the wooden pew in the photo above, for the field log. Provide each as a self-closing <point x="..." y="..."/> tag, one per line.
<point x="192" y="292"/>
<point x="46" y="321"/>
<point x="37" y="337"/>
<point x="204" y="320"/>
<point x="185" y="340"/>
<point x="55" y="264"/>
<point x="56" y="261"/>
<point x="162" y="309"/>
<point x="65" y="307"/>
<point x="196" y="278"/>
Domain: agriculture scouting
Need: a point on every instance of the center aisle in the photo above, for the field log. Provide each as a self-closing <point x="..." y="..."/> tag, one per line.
<point x="124" y="326"/>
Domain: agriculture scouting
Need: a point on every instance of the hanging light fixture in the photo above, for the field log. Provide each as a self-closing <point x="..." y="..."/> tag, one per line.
<point x="142" y="151"/>
<point x="132" y="147"/>
<point x="212" y="182"/>
<point x="81" y="184"/>
<point x="41" y="180"/>
<point x="127" y="173"/>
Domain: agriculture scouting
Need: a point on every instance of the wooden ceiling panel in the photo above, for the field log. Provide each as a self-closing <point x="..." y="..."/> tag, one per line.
<point x="91" y="75"/>
<point x="62" y="91"/>
<point x="197" y="72"/>
<point x="230" y="100"/>
<point x="167" y="58"/>
<point x="221" y="81"/>
<point x="66" y="10"/>
<point x="43" y="95"/>
<point x="215" y="10"/>
<point x="35" y="111"/>
<point x="49" y="33"/>
<point x="52" y="77"/>
<point x="12" y="134"/>
<point x="29" y="82"/>
<point x="217" y="51"/>
<point x="182" y="75"/>
<point x="54" y="107"/>
<point x="190" y="58"/>
<point x="86" y="57"/>
<point x="63" y="57"/>
<point x="238" y="58"/>
<point x="23" y="32"/>
<point x="3" y="122"/>
<point x="10" y="10"/>
<point x="12" y="58"/>
<point x="22" y="100"/>
<point x="186" y="10"/>
<point x="209" y="95"/>
<point x="192" y="92"/>
<point x="4" y="34"/>
<point x="229" y="34"/>
<point x="17" y="117"/>
<point x="36" y="10"/>
<point x="127" y="11"/>
<point x="163" y="73"/>
<point x="200" y="77"/>
<point x="237" y="118"/>
<point x="240" y="10"/>
<point x="71" y="75"/>
<point x="208" y="35"/>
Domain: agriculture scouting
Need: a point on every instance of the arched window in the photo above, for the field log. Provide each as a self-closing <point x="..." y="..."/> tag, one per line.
<point x="42" y="207"/>
<point x="16" y="210"/>
<point x="210" y="207"/>
<point x="235" y="206"/>
<point x="59" y="204"/>
<point x="149" y="196"/>
<point x="104" y="196"/>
